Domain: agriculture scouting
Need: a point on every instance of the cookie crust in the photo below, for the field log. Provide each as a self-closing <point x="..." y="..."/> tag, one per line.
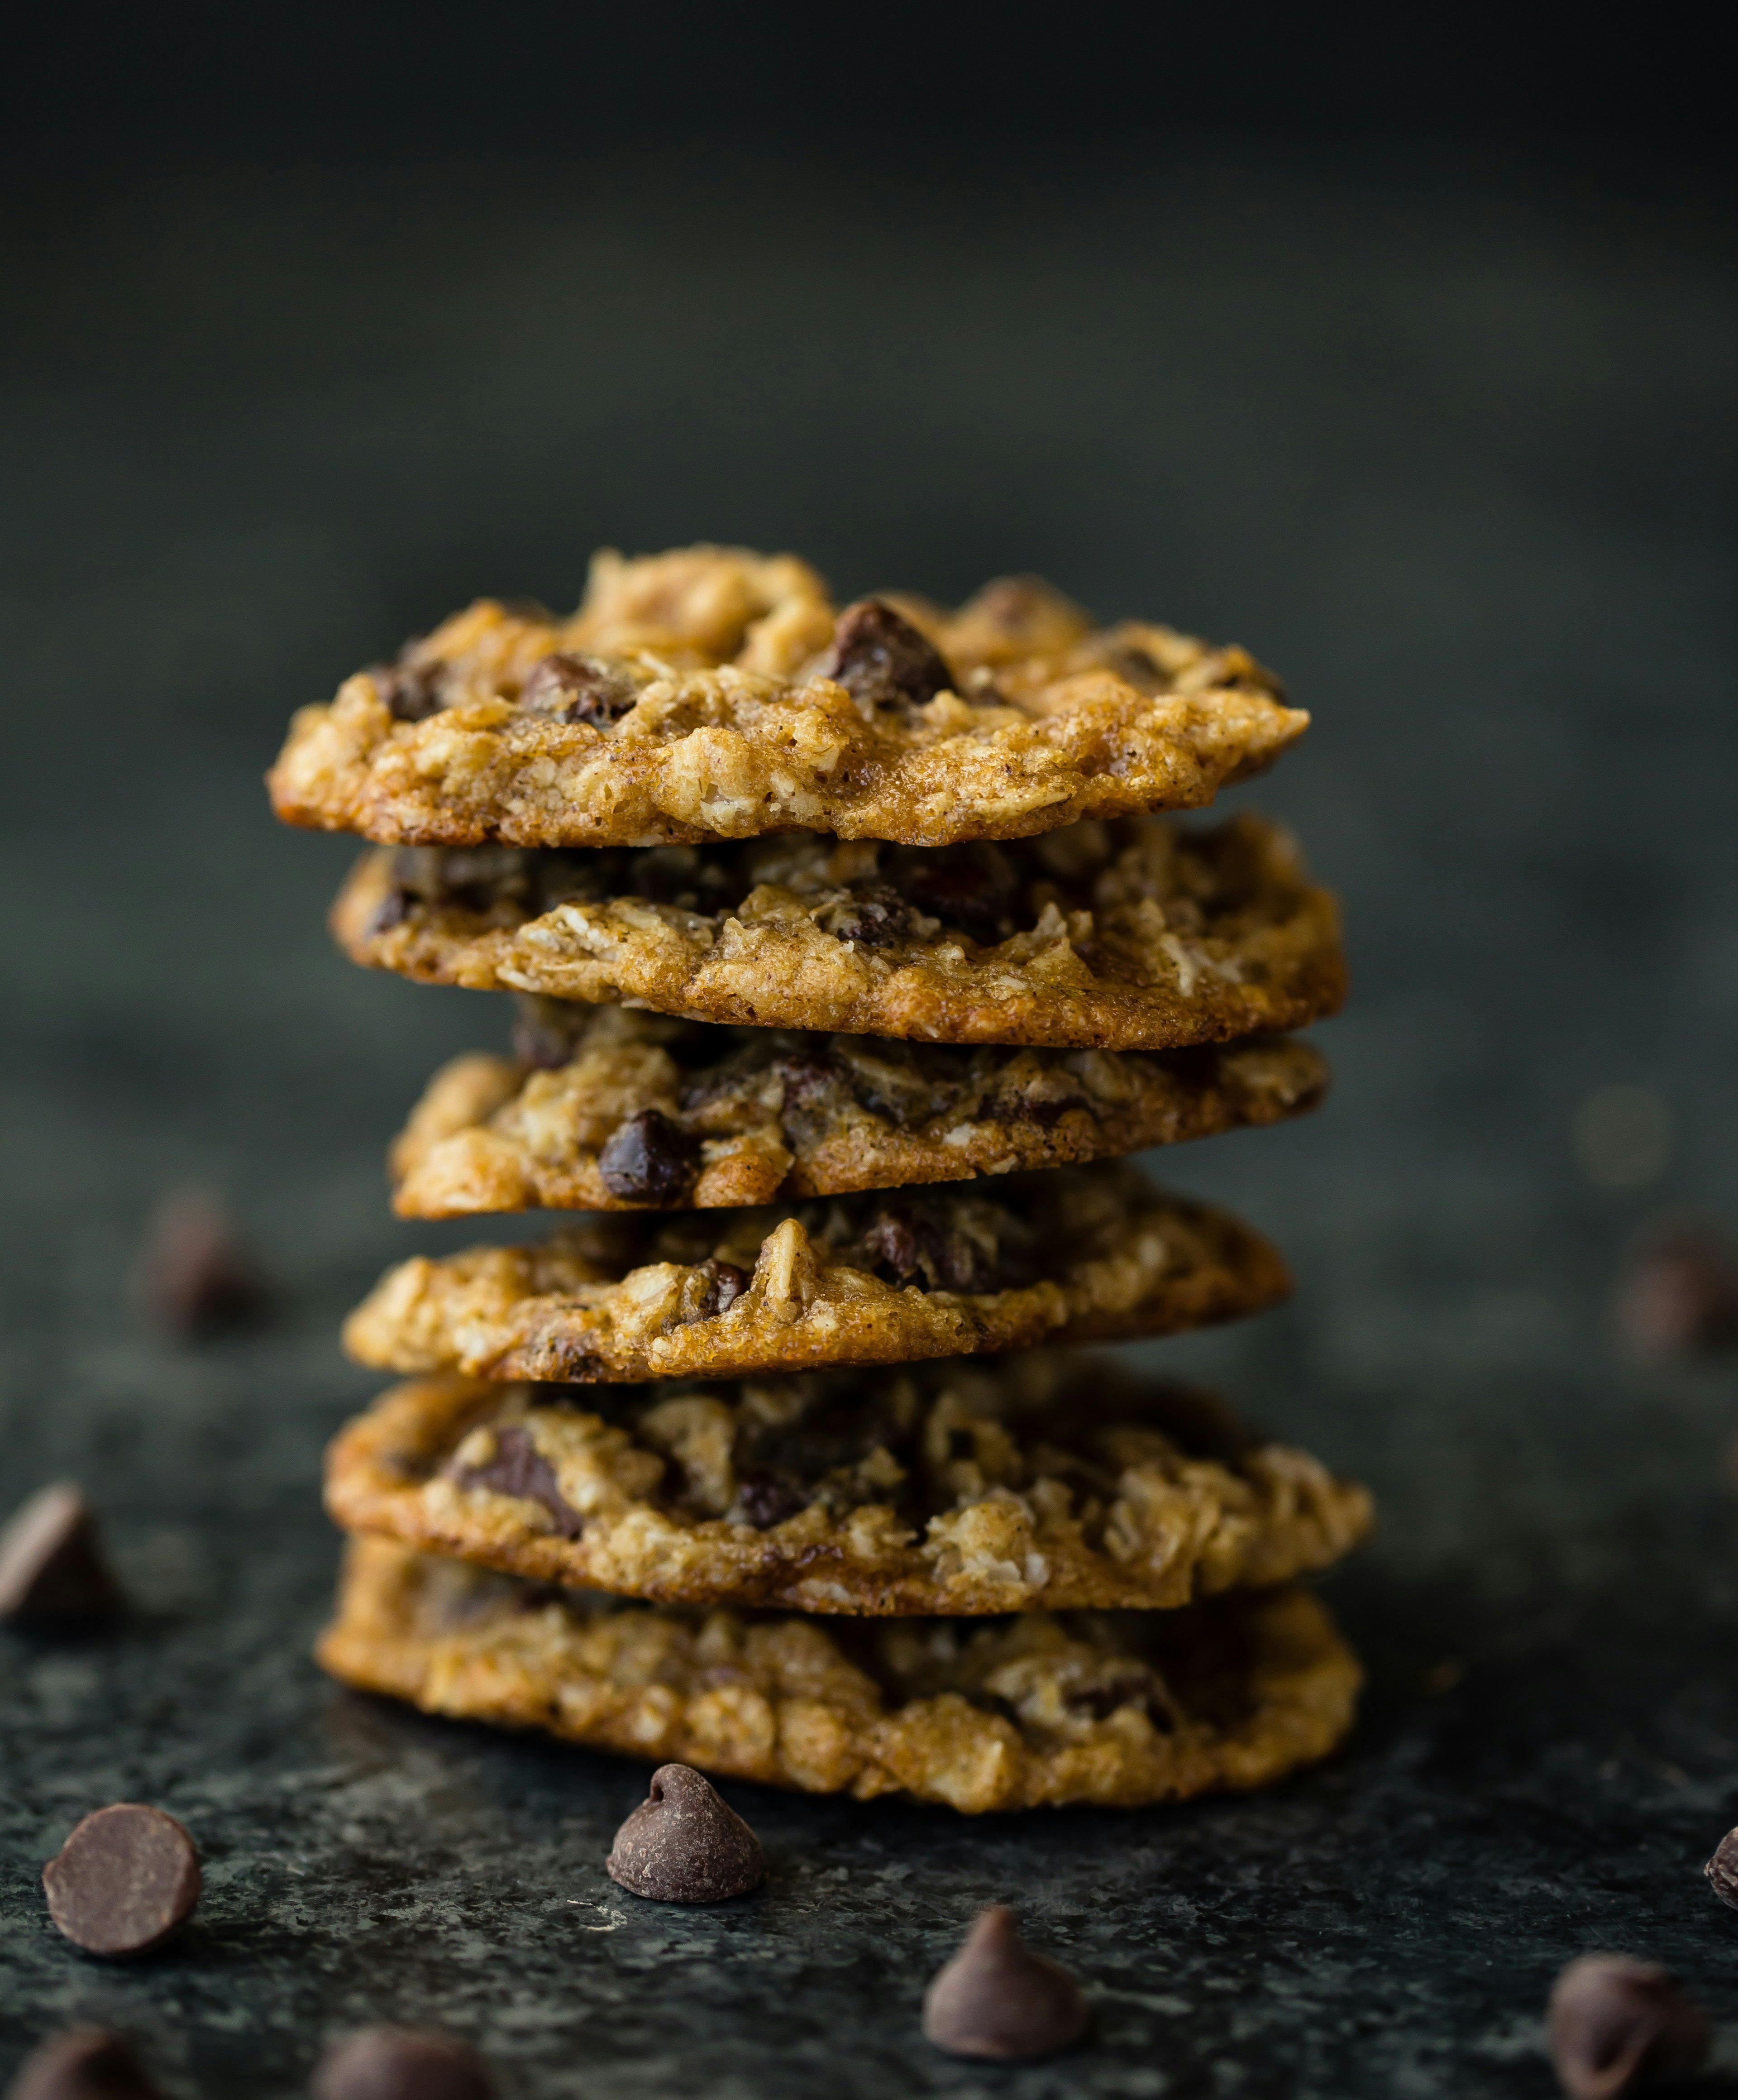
<point x="708" y="701"/>
<point x="1082" y="1253"/>
<point x="1039" y="1482"/>
<point x="759" y="1114"/>
<point x="1136" y="936"/>
<point x="1116" y="1710"/>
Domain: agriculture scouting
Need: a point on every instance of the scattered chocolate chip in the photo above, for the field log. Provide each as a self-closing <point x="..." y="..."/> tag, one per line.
<point x="194" y="1274"/>
<point x="540" y="1038"/>
<point x="649" y="1159"/>
<point x="683" y="1844"/>
<point x="765" y="1499"/>
<point x="123" y="1881"/>
<point x="1614" y="2024"/>
<point x="711" y="1287"/>
<point x="882" y="659"/>
<point x="997" y="1999"/>
<point x="1721" y="1870"/>
<point x="84" y="2063"/>
<point x="519" y="1468"/>
<point x="411" y="691"/>
<point x="972" y="887"/>
<point x="873" y="914"/>
<point x="402" y="2063"/>
<point x="1680" y="1295"/>
<point x="578" y="689"/>
<point x="52" y="1571"/>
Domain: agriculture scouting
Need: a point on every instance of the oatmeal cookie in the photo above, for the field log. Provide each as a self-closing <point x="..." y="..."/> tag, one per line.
<point x="1135" y="936"/>
<point x="1115" y="1708"/>
<point x="605" y="1109"/>
<point x="714" y="693"/>
<point x="1081" y="1254"/>
<point x="1037" y="1482"/>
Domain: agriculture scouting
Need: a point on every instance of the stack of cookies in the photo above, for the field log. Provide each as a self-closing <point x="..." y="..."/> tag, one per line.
<point x="851" y="958"/>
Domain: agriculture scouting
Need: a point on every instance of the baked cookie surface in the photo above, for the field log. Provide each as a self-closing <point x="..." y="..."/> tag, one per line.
<point x="713" y="692"/>
<point x="1135" y="936"/>
<point x="605" y="1108"/>
<point x="1035" y="1482"/>
<point x="1119" y="1709"/>
<point x="1079" y="1254"/>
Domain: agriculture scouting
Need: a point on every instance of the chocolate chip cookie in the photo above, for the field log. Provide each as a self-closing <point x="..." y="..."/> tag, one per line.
<point x="1135" y="936"/>
<point x="1119" y="1709"/>
<point x="1030" y="1482"/>
<point x="1082" y="1253"/>
<point x="715" y="693"/>
<point x="607" y="1108"/>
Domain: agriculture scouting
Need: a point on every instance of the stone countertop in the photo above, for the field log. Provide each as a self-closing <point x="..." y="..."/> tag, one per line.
<point x="1451" y="446"/>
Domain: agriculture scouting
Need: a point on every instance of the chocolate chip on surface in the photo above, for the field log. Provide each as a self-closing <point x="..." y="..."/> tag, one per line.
<point x="84" y="2063"/>
<point x="683" y="1843"/>
<point x="997" y="1999"/>
<point x="1679" y="1297"/>
<point x="519" y="1468"/>
<point x="577" y="689"/>
<point x="402" y="2063"/>
<point x="52" y="1571"/>
<point x="195" y="1275"/>
<point x="1615" y="2024"/>
<point x="711" y="1287"/>
<point x="649" y="1159"/>
<point x="881" y="658"/>
<point x="411" y="691"/>
<point x="1721" y="1870"/>
<point x="765" y="1499"/>
<point x="123" y="1881"/>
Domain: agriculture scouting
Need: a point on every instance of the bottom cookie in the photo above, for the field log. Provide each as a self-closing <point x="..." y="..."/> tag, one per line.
<point x="1116" y="1709"/>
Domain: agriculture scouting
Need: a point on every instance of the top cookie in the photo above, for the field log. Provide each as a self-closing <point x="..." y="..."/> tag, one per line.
<point x="712" y="691"/>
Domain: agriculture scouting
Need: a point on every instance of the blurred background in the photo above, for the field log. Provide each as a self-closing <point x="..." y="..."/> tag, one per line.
<point x="1402" y="353"/>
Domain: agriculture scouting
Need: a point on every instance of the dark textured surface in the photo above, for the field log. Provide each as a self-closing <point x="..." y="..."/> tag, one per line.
<point x="1451" y="445"/>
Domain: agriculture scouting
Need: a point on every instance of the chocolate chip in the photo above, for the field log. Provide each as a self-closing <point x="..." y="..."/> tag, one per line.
<point x="123" y="1881"/>
<point x="194" y="1275"/>
<point x="683" y="1844"/>
<point x="1614" y="2024"/>
<point x="649" y="1159"/>
<point x="52" y="1571"/>
<point x="873" y="914"/>
<point x="540" y="1038"/>
<point x="711" y="1287"/>
<point x="1721" y="1870"/>
<point x="402" y="2063"/>
<point x="765" y="1499"/>
<point x="909" y="1247"/>
<point x="393" y="910"/>
<point x="1680" y="1296"/>
<point x="882" y="659"/>
<point x="972" y="887"/>
<point x="411" y="691"/>
<point x="519" y="1468"/>
<point x="998" y="2000"/>
<point x="805" y="1077"/>
<point x="578" y="689"/>
<point x="84" y="2063"/>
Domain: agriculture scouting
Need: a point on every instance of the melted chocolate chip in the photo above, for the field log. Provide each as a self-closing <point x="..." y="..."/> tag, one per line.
<point x="52" y="1571"/>
<point x="998" y="1999"/>
<point x="411" y="691"/>
<point x="972" y="887"/>
<point x="1721" y="1870"/>
<point x="765" y="1499"/>
<point x="649" y="1159"/>
<point x="519" y="1468"/>
<point x="578" y="689"/>
<point x="882" y="659"/>
<point x="194" y="1275"/>
<point x="683" y="1844"/>
<point x="711" y="1287"/>
<point x="402" y="2063"/>
<point x="1615" y="2024"/>
<point x="123" y="1881"/>
<point x="84" y="2063"/>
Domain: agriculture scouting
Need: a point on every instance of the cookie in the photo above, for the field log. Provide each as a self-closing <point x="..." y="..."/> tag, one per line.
<point x="609" y="1108"/>
<point x="1084" y="1253"/>
<point x="1136" y="936"/>
<point x="713" y="693"/>
<point x="1033" y="1482"/>
<point x="1116" y="1709"/>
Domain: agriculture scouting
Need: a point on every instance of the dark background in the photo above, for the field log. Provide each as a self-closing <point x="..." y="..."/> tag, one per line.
<point x="1402" y="352"/>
